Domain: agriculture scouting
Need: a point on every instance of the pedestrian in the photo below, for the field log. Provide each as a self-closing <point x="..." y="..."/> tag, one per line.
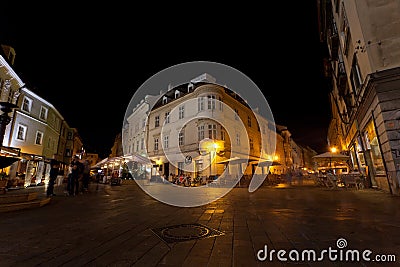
<point x="76" y="172"/>
<point x="86" y="176"/>
<point x="54" y="169"/>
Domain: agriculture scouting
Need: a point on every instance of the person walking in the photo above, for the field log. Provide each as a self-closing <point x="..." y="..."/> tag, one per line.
<point x="54" y="169"/>
<point x="86" y="176"/>
<point x="76" y="171"/>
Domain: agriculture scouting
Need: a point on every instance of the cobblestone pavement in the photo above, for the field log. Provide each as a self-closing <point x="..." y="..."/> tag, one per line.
<point x="115" y="226"/>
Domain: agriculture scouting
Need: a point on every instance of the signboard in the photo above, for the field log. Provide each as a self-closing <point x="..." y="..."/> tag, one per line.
<point x="188" y="160"/>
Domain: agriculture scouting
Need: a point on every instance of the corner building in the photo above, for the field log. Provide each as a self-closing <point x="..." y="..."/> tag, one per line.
<point x="197" y="128"/>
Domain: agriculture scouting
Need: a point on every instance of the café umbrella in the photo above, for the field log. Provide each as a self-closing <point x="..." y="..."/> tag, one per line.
<point x="330" y="157"/>
<point x="6" y="161"/>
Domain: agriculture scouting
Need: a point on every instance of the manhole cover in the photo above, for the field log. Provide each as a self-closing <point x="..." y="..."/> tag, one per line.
<point x="185" y="232"/>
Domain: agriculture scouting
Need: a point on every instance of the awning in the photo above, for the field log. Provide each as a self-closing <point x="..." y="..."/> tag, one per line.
<point x="6" y="161"/>
<point x="235" y="160"/>
<point x="139" y="159"/>
<point x="99" y="164"/>
<point x="263" y="163"/>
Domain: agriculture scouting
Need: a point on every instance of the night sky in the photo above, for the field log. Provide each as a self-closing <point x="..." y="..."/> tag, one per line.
<point x="88" y="61"/>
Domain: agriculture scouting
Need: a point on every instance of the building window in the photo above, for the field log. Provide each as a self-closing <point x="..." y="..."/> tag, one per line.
<point x="142" y="143"/>
<point x="355" y="75"/>
<point x="182" y="138"/>
<point x="27" y="104"/>
<point x="156" y="121"/>
<point x="238" y="139"/>
<point x="137" y="145"/>
<point x="39" y="138"/>
<point x="177" y="93"/>
<point x="69" y="136"/>
<point x="156" y="144"/>
<point x="222" y="135"/>
<point x="212" y="131"/>
<point x="345" y="32"/>
<point x="211" y="102"/>
<point x="57" y="123"/>
<point x="181" y="112"/>
<point x="21" y="133"/>
<point x="251" y="143"/>
<point x="164" y="100"/>
<point x="43" y="113"/>
<point x="166" y="141"/>
<point x="180" y="167"/>
<point x="167" y="117"/>
<point x="221" y="104"/>
<point x="264" y="129"/>
<point x="236" y="114"/>
<point x="200" y="104"/>
<point x="249" y="121"/>
<point x="143" y="122"/>
<point x="200" y="132"/>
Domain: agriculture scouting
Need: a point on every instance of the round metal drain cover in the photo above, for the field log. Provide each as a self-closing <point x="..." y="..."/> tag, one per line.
<point x="185" y="232"/>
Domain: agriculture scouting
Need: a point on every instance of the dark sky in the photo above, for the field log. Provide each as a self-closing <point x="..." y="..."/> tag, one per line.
<point x="88" y="61"/>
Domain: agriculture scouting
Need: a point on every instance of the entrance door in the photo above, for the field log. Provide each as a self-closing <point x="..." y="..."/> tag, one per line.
<point x="166" y="169"/>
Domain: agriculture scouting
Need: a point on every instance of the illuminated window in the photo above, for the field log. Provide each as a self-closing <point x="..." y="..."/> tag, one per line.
<point x="43" y="113"/>
<point x="181" y="112"/>
<point x="27" y="104"/>
<point x="182" y="138"/>
<point x="355" y="75"/>
<point x="200" y="132"/>
<point x="167" y="117"/>
<point x="212" y="131"/>
<point x="200" y="104"/>
<point x="345" y="31"/>
<point x="21" y="132"/>
<point x="249" y="121"/>
<point x="180" y="167"/>
<point x="211" y="101"/>
<point x="166" y="141"/>
<point x="156" y="144"/>
<point x="236" y="114"/>
<point x="39" y="138"/>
